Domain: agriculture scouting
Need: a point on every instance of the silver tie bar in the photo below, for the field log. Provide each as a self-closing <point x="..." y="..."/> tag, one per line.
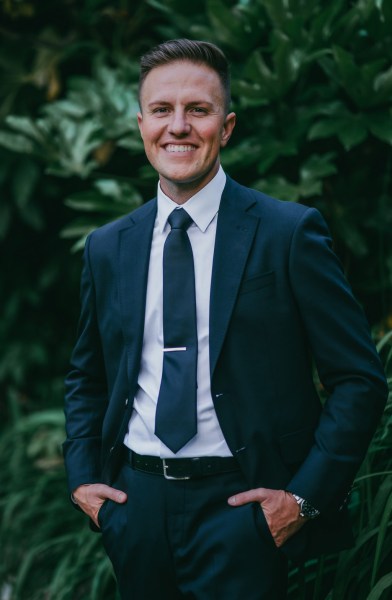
<point x="180" y="349"/>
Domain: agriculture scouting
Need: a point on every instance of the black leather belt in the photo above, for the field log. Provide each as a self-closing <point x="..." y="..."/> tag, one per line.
<point x="182" y="468"/>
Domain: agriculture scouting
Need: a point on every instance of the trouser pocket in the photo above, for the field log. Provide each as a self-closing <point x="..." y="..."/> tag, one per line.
<point x="262" y="525"/>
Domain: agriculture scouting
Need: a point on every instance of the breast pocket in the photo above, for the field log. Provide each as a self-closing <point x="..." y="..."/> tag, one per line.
<point x="258" y="282"/>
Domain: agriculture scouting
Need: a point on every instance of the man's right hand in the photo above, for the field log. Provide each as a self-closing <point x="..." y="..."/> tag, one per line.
<point x="90" y="498"/>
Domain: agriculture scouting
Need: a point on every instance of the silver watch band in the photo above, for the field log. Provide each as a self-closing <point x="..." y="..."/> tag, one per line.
<point x="306" y="509"/>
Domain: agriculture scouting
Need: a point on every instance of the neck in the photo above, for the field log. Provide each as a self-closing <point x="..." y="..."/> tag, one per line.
<point x="181" y="192"/>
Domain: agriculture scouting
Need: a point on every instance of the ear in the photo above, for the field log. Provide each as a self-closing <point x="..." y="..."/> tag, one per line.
<point x="140" y="123"/>
<point x="227" y="128"/>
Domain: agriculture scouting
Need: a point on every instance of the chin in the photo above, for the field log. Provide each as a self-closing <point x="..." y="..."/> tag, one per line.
<point x="188" y="177"/>
<point x="182" y="179"/>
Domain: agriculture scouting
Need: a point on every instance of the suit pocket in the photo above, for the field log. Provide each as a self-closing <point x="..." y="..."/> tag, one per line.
<point x="101" y="512"/>
<point x="258" y="282"/>
<point x="262" y="525"/>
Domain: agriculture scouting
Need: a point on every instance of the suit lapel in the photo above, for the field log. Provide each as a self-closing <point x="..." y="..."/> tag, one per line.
<point x="235" y="232"/>
<point x="134" y="257"/>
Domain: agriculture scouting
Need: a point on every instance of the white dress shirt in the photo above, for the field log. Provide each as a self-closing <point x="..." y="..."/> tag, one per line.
<point x="209" y="441"/>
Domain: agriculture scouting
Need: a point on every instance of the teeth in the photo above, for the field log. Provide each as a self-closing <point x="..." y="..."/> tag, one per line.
<point x="177" y="148"/>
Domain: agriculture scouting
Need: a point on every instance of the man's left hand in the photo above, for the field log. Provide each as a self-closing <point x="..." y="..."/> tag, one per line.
<point x="280" y="509"/>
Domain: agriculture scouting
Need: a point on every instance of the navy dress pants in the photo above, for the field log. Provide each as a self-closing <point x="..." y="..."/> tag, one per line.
<point x="177" y="540"/>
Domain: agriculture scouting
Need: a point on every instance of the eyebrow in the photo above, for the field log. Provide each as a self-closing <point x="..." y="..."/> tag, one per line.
<point x="166" y="103"/>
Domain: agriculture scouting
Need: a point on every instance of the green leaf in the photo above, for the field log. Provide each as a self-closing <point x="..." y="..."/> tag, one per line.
<point x="309" y="188"/>
<point x="26" y="126"/>
<point x="311" y="173"/>
<point x="249" y="94"/>
<point x="257" y="70"/>
<point x="100" y="205"/>
<point x="349" y="128"/>
<point x="118" y="190"/>
<point x="69" y="108"/>
<point x="130" y="143"/>
<point x="324" y="129"/>
<point x="262" y="78"/>
<point x="78" y="230"/>
<point x="24" y="181"/>
<point x="377" y="593"/>
<point x="360" y="82"/>
<point x="381" y="126"/>
<point x="349" y="72"/>
<point x="16" y="143"/>
<point x="352" y="133"/>
<point x="335" y="108"/>
<point x="318" y="167"/>
<point x="278" y="12"/>
<point x="229" y="30"/>
<point x="324" y="20"/>
<point x="109" y="187"/>
<point x="383" y="83"/>
<point x="287" y="60"/>
<point x="352" y="236"/>
<point x="278" y="187"/>
<point x="271" y="150"/>
<point x="159" y="6"/>
<point x="384" y="525"/>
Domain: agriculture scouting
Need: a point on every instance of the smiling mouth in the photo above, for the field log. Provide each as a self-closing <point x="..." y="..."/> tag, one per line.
<point x="179" y="148"/>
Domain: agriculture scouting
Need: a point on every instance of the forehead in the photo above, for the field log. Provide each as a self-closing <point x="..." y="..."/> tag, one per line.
<point x="183" y="79"/>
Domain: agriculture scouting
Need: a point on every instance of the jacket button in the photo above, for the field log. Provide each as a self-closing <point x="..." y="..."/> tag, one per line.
<point x="111" y="449"/>
<point x="126" y="401"/>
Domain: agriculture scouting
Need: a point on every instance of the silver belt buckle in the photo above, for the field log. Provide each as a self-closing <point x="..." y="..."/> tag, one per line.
<point x="166" y="476"/>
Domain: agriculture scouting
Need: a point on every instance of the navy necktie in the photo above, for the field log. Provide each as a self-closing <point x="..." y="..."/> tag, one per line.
<point x="176" y="417"/>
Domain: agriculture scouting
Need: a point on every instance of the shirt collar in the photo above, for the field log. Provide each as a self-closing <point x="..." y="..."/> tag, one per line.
<point x="202" y="207"/>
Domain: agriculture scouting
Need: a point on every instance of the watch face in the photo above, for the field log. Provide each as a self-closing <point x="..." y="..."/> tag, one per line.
<point x="308" y="510"/>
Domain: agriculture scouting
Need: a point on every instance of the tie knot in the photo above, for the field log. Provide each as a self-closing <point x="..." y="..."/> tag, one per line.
<point x="179" y="219"/>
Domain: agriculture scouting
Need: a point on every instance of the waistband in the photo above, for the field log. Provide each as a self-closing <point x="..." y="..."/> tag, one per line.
<point x="181" y="468"/>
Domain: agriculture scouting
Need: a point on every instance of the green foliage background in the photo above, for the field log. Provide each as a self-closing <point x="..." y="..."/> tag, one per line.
<point x="312" y="89"/>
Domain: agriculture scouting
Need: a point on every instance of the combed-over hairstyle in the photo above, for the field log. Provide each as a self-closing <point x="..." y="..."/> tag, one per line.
<point x="195" y="51"/>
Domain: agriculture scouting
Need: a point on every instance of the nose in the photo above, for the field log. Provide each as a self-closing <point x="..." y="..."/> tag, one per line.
<point x="178" y="124"/>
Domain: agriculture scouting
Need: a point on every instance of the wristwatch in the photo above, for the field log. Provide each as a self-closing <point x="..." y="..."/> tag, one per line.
<point x="306" y="509"/>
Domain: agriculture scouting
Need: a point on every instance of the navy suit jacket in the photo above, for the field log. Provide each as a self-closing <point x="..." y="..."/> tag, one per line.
<point x="279" y="305"/>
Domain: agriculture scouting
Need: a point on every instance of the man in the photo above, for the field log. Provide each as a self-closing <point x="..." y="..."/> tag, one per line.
<point x="195" y="438"/>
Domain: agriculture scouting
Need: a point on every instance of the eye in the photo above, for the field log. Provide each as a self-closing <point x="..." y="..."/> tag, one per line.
<point x="198" y="110"/>
<point x="160" y="110"/>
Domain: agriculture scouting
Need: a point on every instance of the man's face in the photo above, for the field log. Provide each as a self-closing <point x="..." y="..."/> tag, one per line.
<point x="183" y="125"/>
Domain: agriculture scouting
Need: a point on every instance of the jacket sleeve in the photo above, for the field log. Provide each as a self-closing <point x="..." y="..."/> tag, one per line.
<point x="85" y="391"/>
<point x="347" y="363"/>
